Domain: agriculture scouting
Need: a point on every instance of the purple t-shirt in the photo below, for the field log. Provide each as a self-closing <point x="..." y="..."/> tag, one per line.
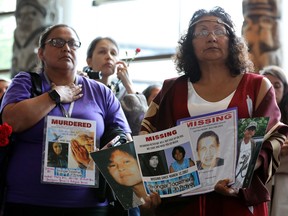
<point x="24" y="174"/>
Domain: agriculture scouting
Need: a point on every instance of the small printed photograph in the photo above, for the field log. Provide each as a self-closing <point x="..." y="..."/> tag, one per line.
<point x="81" y="147"/>
<point x="179" y="157"/>
<point x="153" y="163"/>
<point x="57" y="155"/>
<point x="120" y="168"/>
<point x="208" y="151"/>
<point x="250" y="139"/>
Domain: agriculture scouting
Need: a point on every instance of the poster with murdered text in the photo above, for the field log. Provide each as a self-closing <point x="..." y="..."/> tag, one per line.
<point x="66" y="152"/>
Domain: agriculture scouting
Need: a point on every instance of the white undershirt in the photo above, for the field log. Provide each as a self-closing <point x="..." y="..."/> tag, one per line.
<point x="198" y="106"/>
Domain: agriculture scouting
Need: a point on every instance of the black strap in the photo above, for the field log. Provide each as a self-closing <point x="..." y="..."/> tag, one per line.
<point x="36" y="88"/>
<point x="36" y="84"/>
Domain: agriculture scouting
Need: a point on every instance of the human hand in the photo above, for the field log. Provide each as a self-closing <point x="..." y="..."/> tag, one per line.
<point x="68" y="93"/>
<point x="80" y="154"/>
<point x="259" y="162"/>
<point x="284" y="148"/>
<point x="114" y="142"/>
<point x="225" y="189"/>
<point x="151" y="202"/>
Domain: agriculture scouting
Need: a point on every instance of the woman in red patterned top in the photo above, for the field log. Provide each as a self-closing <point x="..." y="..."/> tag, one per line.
<point x="215" y="67"/>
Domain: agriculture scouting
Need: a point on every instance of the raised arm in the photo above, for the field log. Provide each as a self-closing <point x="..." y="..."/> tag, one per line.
<point x="22" y="112"/>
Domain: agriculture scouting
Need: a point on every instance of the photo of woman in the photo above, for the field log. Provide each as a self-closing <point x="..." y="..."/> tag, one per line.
<point x="153" y="163"/>
<point x="57" y="155"/>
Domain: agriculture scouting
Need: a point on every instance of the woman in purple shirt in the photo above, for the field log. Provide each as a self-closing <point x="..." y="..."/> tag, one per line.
<point x="65" y="94"/>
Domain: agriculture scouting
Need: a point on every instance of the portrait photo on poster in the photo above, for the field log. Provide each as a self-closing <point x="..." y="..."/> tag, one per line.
<point x="250" y="139"/>
<point x="121" y="170"/>
<point x="208" y="151"/>
<point x="153" y="163"/>
<point x="57" y="154"/>
<point x="179" y="157"/>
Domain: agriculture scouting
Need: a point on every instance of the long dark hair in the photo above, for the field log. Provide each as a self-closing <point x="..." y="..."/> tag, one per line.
<point x="238" y="59"/>
<point x="279" y="73"/>
<point x="55" y="160"/>
<point x="147" y="170"/>
<point x="180" y="149"/>
<point x="124" y="193"/>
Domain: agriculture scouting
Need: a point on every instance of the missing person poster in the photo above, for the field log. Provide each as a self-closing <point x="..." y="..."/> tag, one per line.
<point x="187" y="159"/>
<point x="167" y="161"/>
<point x="66" y="152"/>
<point x="214" y="138"/>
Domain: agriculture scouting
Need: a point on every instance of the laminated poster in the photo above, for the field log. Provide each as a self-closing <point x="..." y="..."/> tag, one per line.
<point x="66" y="152"/>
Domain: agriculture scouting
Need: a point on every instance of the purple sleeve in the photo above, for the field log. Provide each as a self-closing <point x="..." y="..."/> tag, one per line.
<point x="98" y="104"/>
<point x="19" y="89"/>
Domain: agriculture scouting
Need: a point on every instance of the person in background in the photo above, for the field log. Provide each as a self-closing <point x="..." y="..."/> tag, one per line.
<point x="180" y="163"/>
<point x="65" y="94"/>
<point x="279" y="198"/>
<point x="4" y="83"/>
<point x="151" y="91"/>
<point x="103" y="62"/>
<point x="102" y="57"/>
<point x="214" y="64"/>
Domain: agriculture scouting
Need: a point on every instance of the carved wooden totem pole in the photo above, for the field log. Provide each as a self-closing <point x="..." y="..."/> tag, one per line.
<point x="261" y="30"/>
<point x="32" y="17"/>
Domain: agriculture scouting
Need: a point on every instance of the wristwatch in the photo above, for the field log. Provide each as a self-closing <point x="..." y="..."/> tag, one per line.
<point x="53" y="94"/>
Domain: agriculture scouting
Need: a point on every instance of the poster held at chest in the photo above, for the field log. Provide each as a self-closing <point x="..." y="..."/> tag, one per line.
<point x="66" y="152"/>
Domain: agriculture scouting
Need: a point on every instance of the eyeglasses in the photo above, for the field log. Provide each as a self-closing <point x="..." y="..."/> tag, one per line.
<point x="205" y="33"/>
<point x="59" y="43"/>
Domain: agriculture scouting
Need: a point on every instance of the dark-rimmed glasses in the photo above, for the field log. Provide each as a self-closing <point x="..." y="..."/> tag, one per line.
<point x="60" y="42"/>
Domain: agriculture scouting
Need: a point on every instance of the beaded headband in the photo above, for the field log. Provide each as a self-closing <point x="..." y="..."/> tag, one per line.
<point x="211" y="20"/>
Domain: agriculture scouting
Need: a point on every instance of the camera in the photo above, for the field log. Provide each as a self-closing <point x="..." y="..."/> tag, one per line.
<point x="92" y="74"/>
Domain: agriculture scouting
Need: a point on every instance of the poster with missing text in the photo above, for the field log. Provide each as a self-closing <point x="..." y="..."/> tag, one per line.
<point x="67" y="145"/>
<point x="214" y="139"/>
<point x="185" y="160"/>
<point x="167" y="161"/>
<point x="146" y="164"/>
